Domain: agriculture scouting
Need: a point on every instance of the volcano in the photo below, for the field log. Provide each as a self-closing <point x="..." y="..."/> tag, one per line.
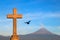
<point x="41" y="34"/>
<point x="43" y="31"/>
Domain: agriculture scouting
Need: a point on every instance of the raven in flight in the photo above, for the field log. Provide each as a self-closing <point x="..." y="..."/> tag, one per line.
<point x="28" y="22"/>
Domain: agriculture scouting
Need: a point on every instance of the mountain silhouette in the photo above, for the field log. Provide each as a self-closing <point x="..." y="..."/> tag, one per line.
<point x="43" y="31"/>
<point x="41" y="34"/>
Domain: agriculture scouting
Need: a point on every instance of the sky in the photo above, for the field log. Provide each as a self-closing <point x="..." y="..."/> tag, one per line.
<point x="44" y="13"/>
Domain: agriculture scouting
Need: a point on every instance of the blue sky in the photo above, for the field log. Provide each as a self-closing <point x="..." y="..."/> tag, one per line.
<point x="44" y="13"/>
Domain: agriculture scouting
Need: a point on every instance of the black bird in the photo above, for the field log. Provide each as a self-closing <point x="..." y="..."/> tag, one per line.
<point x="28" y="22"/>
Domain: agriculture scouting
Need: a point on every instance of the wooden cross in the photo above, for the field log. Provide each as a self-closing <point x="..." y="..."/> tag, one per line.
<point x="14" y="16"/>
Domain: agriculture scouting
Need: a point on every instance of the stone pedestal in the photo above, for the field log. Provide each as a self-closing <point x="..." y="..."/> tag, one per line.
<point x="14" y="37"/>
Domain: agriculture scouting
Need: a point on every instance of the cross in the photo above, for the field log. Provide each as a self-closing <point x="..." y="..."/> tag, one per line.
<point x="14" y="16"/>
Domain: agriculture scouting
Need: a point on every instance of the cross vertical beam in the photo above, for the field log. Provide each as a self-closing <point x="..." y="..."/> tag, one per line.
<point x="14" y="16"/>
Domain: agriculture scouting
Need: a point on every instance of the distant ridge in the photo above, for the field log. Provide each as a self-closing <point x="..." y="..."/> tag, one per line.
<point x="42" y="34"/>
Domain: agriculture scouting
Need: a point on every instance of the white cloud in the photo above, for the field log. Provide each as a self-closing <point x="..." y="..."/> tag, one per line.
<point x="58" y="27"/>
<point x="51" y="15"/>
<point x="40" y="16"/>
<point x="32" y="16"/>
<point x="36" y="16"/>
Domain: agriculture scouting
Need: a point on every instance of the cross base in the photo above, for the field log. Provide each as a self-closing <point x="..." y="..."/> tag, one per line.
<point x="14" y="37"/>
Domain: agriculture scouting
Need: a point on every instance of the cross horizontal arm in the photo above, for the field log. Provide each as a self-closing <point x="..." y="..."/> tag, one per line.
<point x="19" y="16"/>
<point x="10" y="16"/>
